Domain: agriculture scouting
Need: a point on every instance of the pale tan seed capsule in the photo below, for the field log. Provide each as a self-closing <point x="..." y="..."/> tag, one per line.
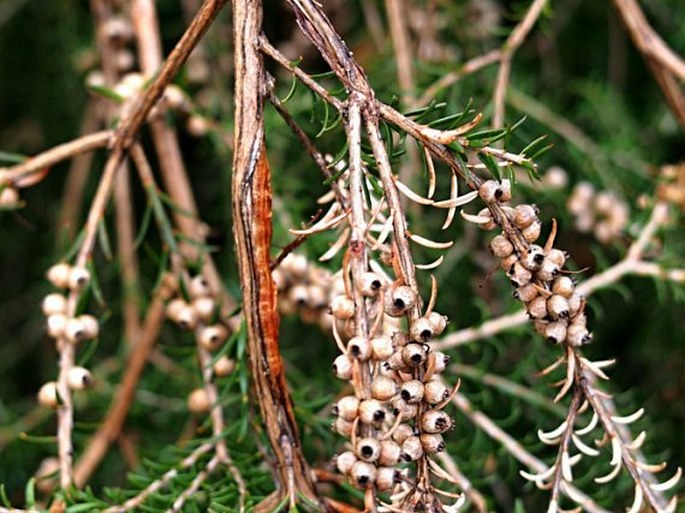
<point x="371" y="411"/>
<point x="501" y="247"/>
<point x="79" y="277"/>
<point x="412" y="449"/>
<point x="400" y="339"/>
<point x="540" y="326"/>
<point x="383" y="388"/>
<point x="525" y="215"/>
<point x="421" y="330"/>
<point x="204" y="307"/>
<point x="532" y="232"/>
<point x="508" y="212"/>
<point x="56" y="325"/>
<point x="489" y="191"/>
<point x="75" y="331"/>
<point x="555" y="332"/>
<point x="381" y="348"/>
<point x="174" y="307"/>
<point x="48" y="396"/>
<point x="402" y="432"/>
<point x="9" y="196"/>
<point x="199" y="287"/>
<point x="363" y="474"/>
<point x="432" y="443"/>
<point x="212" y="337"/>
<point x="79" y="378"/>
<point x="342" y="307"/>
<point x="412" y="391"/>
<point x="344" y="462"/>
<point x="435" y="421"/>
<point x="46" y="475"/>
<point x="406" y="411"/>
<point x="343" y="427"/>
<point x="368" y="449"/>
<point x="414" y="354"/>
<point x="533" y="258"/>
<point x="435" y="392"/>
<point x="359" y="348"/>
<point x="371" y="284"/>
<point x="299" y="294"/>
<point x="347" y="408"/>
<point x="90" y="326"/>
<point x="508" y="262"/>
<point x="187" y="317"/>
<point x="526" y="293"/>
<point x="505" y="191"/>
<point x="557" y="257"/>
<point x="577" y="334"/>
<point x="442" y="360"/>
<point x="342" y="367"/>
<point x="386" y="478"/>
<point x="491" y="224"/>
<point x="558" y="307"/>
<point x="519" y="275"/>
<point x="396" y="362"/>
<point x="438" y="322"/>
<point x="574" y="304"/>
<point x="279" y="279"/>
<point x="537" y="308"/>
<point x="390" y="452"/>
<point x="548" y="271"/>
<point x="295" y="265"/>
<point x="224" y="366"/>
<point x="564" y="286"/>
<point x="198" y="401"/>
<point x="318" y="296"/>
<point x="399" y="300"/>
<point x="54" y="303"/>
<point x="58" y="275"/>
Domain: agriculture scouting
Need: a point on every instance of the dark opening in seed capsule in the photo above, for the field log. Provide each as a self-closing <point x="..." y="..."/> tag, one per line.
<point x="398" y="303"/>
<point x="539" y="258"/>
<point x="376" y="284"/>
<point x="379" y="415"/>
<point x="367" y="451"/>
<point x="405" y="395"/>
<point x="498" y="193"/>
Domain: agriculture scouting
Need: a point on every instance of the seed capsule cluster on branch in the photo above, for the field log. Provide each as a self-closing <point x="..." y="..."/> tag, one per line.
<point x="536" y="272"/>
<point x="65" y="328"/>
<point x="602" y="213"/>
<point x="396" y="417"/>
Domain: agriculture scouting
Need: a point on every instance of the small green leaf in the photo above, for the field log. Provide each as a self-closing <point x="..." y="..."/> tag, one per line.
<point x="12" y="158"/>
<point x="490" y="164"/>
<point x="38" y="439"/>
<point x="3" y="496"/>
<point x="106" y="92"/>
<point x="30" y="493"/>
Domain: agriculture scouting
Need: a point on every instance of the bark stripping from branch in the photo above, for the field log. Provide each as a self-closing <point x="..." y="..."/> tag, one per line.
<point x="252" y="214"/>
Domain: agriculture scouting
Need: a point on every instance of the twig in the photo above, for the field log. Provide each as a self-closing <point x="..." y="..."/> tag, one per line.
<point x="55" y="155"/>
<point x="472" y="493"/>
<point x="513" y="42"/>
<point x="397" y="18"/>
<point x="195" y="485"/>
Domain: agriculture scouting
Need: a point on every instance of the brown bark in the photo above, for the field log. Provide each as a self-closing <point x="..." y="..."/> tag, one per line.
<point x="252" y="229"/>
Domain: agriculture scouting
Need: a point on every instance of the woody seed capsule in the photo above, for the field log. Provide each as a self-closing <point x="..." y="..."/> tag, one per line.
<point x="363" y="473"/>
<point x="508" y="262"/>
<point x="79" y="378"/>
<point x="402" y="432"/>
<point x="421" y="330"/>
<point x="489" y="191"/>
<point x="564" y="286"/>
<point x="383" y="388"/>
<point x="412" y="391"/>
<point x="412" y="449"/>
<point x="555" y="332"/>
<point x="79" y="277"/>
<point x="435" y="421"/>
<point x="577" y="334"/>
<point x="519" y="275"/>
<point x="342" y="307"/>
<point x="342" y="367"/>
<point x="558" y="307"/>
<point x="56" y="324"/>
<point x="211" y="337"/>
<point x="537" y="308"/>
<point x="204" y="307"/>
<point x="390" y="452"/>
<point x="343" y="427"/>
<point x="525" y="215"/>
<point x="432" y="443"/>
<point x="224" y="366"/>
<point x="548" y="271"/>
<point x="533" y="258"/>
<point x="414" y="354"/>
<point x="199" y="287"/>
<point x="299" y="294"/>
<point x="359" y="348"/>
<point x="501" y="247"/>
<point x="344" y="462"/>
<point x="526" y="293"/>
<point x="381" y="348"/>
<point x="438" y="322"/>
<point x="371" y="411"/>
<point x="186" y="317"/>
<point x="435" y="392"/>
<point x="386" y="478"/>
<point x="574" y="303"/>
<point x="198" y="401"/>
<point x="58" y="275"/>
<point x="54" y="304"/>
<point x="442" y="360"/>
<point x="557" y="256"/>
<point x="47" y="395"/>
<point x="371" y="284"/>
<point x="399" y="300"/>
<point x="368" y="449"/>
<point x="347" y="408"/>
<point x="532" y="232"/>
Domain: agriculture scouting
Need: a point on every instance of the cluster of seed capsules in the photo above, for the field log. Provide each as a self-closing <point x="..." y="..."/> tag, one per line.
<point x="395" y="415"/>
<point x="198" y="313"/>
<point x="556" y="309"/>
<point x="602" y="213"/>
<point x="306" y="289"/>
<point x="64" y="328"/>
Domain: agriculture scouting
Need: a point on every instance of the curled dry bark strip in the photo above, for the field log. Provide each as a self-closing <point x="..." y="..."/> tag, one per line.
<point x="251" y="197"/>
